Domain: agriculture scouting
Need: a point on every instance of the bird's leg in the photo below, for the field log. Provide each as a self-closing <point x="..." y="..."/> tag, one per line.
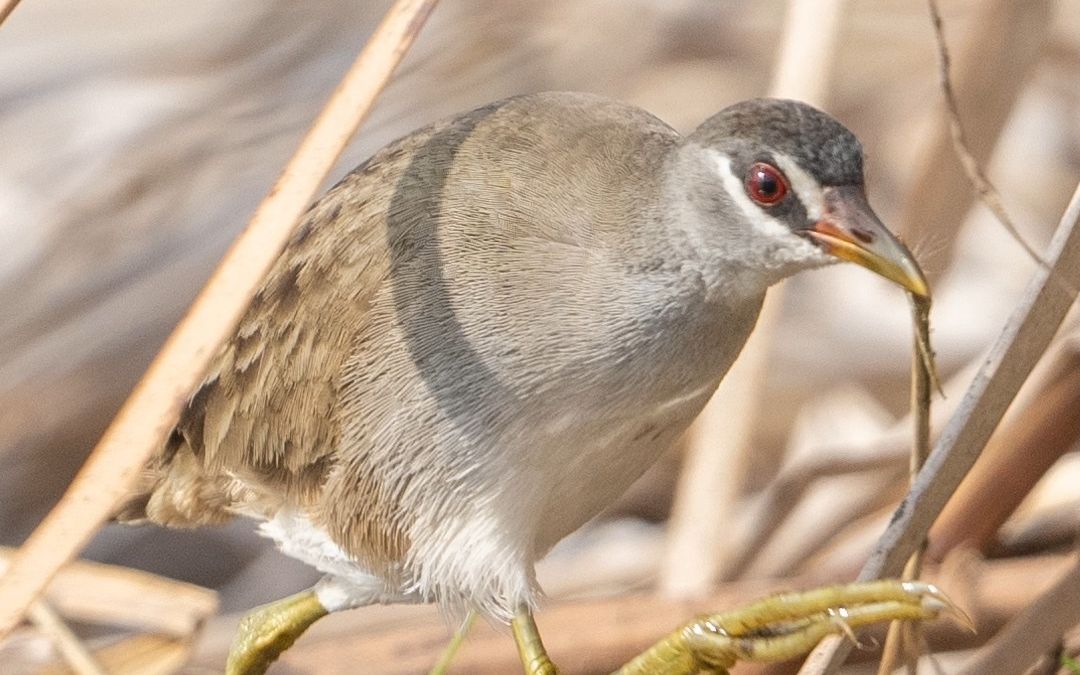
<point x="786" y="625"/>
<point x="531" y="650"/>
<point x="271" y="629"/>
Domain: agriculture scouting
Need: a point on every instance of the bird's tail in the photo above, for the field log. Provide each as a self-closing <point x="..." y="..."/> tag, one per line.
<point x="175" y="490"/>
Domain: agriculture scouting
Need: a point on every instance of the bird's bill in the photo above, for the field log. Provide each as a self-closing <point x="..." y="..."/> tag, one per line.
<point x="850" y="230"/>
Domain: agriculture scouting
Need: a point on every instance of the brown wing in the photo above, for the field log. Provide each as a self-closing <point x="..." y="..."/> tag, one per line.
<point x="261" y="428"/>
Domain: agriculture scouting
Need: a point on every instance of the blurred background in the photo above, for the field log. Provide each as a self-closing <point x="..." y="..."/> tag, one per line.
<point x="138" y="137"/>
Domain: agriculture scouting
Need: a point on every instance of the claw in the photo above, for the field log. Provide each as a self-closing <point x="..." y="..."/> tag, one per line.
<point x="840" y="619"/>
<point x="935" y="600"/>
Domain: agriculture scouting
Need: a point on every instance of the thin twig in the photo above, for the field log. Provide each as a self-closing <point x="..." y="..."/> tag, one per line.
<point x="986" y="191"/>
<point x="149" y="414"/>
<point x="442" y="666"/>
<point x="1019" y="346"/>
<point x="923" y="381"/>
<point x="1000" y="53"/>
<point x="904" y="638"/>
<point x="829" y="655"/>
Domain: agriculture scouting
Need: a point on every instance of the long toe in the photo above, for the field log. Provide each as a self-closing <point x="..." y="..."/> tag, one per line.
<point x="787" y="625"/>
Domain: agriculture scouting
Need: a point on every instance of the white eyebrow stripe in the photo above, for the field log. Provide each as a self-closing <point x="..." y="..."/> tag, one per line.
<point x="761" y="221"/>
<point x="806" y="188"/>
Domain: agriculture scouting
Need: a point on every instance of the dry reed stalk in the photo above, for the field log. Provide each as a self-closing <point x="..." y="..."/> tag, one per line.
<point x="149" y="414"/>
<point x="902" y="641"/>
<point x="1019" y="346"/>
<point x="1016" y="458"/>
<point x="49" y="623"/>
<point x="717" y="461"/>
<point x="753" y="537"/>
<point x="96" y="593"/>
<point x="148" y="654"/>
<point x="74" y="652"/>
<point x="6" y="8"/>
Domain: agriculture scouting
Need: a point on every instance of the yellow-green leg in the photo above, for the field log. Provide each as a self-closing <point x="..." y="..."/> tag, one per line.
<point x="786" y="625"/>
<point x="271" y="629"/>
<point x="531" y="650"/>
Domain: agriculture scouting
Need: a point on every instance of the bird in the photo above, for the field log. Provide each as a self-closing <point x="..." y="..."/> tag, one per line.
<point x="483" y="334"/>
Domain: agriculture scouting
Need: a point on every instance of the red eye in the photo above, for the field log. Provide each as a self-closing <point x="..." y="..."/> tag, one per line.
<point x="765" y="184"/>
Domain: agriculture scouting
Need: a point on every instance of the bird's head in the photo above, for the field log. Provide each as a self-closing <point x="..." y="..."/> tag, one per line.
<point x="785" y="182"/>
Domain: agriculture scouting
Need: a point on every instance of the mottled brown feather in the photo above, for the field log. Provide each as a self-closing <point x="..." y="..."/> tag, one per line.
<point x="265" y="415"/>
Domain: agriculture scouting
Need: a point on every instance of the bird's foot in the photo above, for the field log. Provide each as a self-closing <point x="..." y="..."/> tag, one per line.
<point x="784" y="626"/>
<point x="271" y="629"/>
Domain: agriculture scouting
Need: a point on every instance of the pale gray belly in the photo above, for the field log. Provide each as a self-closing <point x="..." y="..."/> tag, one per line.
<point x="588" y="470"/>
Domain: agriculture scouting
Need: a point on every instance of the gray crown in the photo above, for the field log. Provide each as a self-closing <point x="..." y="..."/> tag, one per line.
<point x="823" y="147"/>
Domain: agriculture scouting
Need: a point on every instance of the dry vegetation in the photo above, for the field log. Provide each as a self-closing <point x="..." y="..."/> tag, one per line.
<point x="139" y="138"/>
